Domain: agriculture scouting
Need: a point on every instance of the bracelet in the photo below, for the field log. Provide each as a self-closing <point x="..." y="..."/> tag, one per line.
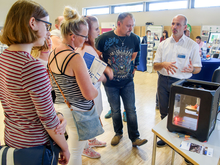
<point x="135" y="67"/>
<point x="193" y="69"/>
<point x="59" y="113"/>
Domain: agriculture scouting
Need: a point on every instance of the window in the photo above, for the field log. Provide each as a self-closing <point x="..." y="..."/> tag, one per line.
<point x="97" y="11"/>
<point x="128" y="8"/>
<point x="168" y="5"/>
<point x="205" y="3"/>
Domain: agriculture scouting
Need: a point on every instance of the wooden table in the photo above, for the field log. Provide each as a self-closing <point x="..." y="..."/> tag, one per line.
<point x="161" y="131"/>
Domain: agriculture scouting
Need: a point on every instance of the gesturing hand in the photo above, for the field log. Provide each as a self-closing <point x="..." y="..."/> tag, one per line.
<point x="188" y="69"/>
<point x="170" y="67"/>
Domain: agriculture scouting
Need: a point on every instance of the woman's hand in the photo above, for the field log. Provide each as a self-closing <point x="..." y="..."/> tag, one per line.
<point x="62" y="127"/>
<point x="64" y="157"/>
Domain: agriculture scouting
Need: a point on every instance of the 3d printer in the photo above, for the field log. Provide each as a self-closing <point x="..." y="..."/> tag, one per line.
<point x="193" y="108"/>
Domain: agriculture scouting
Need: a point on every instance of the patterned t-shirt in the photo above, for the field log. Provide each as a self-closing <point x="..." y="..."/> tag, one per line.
<point x="117" y="52"/>
<point x="25" y="94"/>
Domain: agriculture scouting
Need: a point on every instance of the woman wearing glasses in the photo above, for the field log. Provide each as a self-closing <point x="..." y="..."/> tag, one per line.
<point x="71" y="74"/>
<point x="24" y="84"/>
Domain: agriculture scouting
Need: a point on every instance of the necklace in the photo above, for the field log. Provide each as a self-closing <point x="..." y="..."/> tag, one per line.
<point x="69" y="46"/>
<point x="122" y="42"/>
<point x="45" y="52"/>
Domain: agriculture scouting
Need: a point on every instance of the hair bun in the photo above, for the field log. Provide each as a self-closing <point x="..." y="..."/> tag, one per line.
<point x="70" y="13"/>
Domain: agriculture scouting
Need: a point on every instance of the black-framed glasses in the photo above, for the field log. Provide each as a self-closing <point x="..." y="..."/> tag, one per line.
<point x="48" y="24"/>
<point x="86" y="37"/>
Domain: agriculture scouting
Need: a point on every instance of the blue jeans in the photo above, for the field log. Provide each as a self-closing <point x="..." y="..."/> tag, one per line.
<point x="163" y="89"/>
<point x="127" y="94"/>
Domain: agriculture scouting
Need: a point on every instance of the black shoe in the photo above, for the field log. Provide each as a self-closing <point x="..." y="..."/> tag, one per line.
<point x="187" y="162"/>
<point x="161" y="143"/>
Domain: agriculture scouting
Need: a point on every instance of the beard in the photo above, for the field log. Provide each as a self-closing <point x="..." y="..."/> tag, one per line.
<point x="128" y="33"/>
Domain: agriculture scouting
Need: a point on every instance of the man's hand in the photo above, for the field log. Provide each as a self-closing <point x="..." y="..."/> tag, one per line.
<point x="134" y="71"/>
<point x="102" y="78"/>
<point x="62" y="127"/>
<point x="170" y="67"/>
<point x="188" y="69"/>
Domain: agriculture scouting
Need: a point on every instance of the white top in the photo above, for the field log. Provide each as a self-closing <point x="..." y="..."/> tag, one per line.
<point x="170" y="51"/>
<point x="56" y="32"/>
<point x="98" y="99"/>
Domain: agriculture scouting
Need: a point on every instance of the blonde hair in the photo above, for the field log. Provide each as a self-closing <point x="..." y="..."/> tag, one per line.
<point x="72" y="22"/>
<point x="36" y="50"/>
<point x="16" y="28"/>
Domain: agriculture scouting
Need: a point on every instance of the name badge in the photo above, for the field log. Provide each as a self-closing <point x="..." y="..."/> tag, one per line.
<point x="181" y="56"/>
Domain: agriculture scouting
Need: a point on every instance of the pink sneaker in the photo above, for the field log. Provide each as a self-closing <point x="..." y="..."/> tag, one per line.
<point x="96" y="143"/>
<point x="89" y="152"/>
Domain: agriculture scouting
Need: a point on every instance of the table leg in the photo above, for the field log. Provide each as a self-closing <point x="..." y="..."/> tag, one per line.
<point x="154" y="150"/>
<point x="173" y="156"/>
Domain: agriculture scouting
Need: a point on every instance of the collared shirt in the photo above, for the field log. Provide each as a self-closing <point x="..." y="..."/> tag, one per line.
<point x="180" y="52"/>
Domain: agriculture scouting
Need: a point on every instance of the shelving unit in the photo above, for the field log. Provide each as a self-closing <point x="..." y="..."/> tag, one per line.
<point x="153" y="42"/>
<point x="150" y="48"/>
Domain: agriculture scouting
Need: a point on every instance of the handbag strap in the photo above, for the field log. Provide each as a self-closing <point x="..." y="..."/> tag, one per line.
<point x="65" y="100"/>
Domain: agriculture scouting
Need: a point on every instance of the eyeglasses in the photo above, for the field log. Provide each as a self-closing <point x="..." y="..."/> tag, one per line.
<point x="48" y="24"/>
<point x="86" y="37"/>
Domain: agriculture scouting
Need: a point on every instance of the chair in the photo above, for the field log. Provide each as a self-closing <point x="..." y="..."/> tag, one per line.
<point x="216" y="75"/>
<point x="215" y="55"/>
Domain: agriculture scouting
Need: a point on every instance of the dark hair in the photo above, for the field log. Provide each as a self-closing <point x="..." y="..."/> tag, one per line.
<point x="91" y="42"/>
<point x="198" y="37"/>
<point x="16" y="28"/>
<point x="166" y="34"/>
<point x="90" y="20"/>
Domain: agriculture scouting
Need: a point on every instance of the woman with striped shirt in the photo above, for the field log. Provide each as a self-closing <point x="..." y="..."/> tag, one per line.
<point x="70" y="72"/>
<point x="25" y="90"/>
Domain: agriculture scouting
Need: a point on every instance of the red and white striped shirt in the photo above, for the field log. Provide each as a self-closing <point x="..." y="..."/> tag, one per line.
<point x="25" y="94"/>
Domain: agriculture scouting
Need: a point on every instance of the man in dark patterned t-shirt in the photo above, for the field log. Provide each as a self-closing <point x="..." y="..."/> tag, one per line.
<point x="119" y="47"/>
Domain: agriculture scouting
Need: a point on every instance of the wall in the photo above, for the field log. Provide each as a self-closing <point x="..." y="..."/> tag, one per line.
<point x="49" y="5"/>
<point x="196" y="17"/>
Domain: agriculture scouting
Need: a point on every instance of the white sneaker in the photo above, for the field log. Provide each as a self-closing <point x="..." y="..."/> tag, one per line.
<point x="96" y="143"/>
<point x="89" y="152"/>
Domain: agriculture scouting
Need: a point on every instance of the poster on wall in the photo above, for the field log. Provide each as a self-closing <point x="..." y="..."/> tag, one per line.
<point x="107" y="26"/>
<point x="206" y="29"/>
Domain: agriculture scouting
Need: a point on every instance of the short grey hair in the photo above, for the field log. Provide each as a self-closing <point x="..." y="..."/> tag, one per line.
<point x="122" y="16"/>
<point x="186" y="21"/>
